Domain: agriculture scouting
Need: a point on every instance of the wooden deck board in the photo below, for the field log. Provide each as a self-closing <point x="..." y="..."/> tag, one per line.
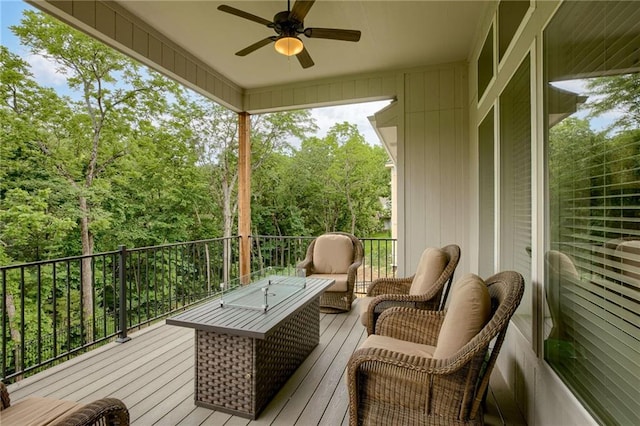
<point x="153" y="375"/>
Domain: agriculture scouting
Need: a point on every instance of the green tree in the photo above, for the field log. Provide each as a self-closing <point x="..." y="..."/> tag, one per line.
<point x="113" y="98"/>
<point x="619" y="93"/>
<point x="339" y="182"/>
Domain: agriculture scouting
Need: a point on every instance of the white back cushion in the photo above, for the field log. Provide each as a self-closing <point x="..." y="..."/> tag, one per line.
<point x="468" y="312"/>
<point x="432" y="263"/>
<point x="332" y="254"/>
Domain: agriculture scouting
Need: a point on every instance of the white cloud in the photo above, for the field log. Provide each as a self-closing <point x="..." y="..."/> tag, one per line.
<point x="356" y="114"/>
<point x="45" y="71"/>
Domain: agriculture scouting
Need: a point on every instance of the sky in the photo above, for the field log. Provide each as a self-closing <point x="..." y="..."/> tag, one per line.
<point x="45" y="73"/>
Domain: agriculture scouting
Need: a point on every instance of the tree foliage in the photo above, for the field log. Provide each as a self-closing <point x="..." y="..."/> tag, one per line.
<point x="128" y="157"/>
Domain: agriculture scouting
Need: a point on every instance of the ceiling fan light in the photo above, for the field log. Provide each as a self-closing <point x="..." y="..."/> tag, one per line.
<point x="289" y="46"/>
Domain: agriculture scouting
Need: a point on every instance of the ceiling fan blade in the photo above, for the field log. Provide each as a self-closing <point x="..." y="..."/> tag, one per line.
<point x="256" y="46"/>
<point x="243" y="14"/>
<point x="333" y="34"/>
<point x="304" y="58"/>
<point x="300" y="9"/>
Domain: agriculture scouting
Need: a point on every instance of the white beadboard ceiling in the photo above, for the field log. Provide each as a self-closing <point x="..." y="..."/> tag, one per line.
<point x="395" y="35"/>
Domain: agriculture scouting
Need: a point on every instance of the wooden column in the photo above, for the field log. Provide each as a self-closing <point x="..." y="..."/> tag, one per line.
<point x="244" y="191"/>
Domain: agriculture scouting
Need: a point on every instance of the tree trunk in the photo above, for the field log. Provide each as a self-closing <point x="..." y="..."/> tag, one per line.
<point x="87" y="273"/>
<point x="14" y="329"/>
<point x="227" y="228"/>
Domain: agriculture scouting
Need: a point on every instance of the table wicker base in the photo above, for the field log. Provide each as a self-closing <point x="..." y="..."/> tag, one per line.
<point x="240" y="375"/>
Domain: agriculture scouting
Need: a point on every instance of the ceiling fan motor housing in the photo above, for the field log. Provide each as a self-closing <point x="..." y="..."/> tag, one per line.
<point x="287" y="26"/>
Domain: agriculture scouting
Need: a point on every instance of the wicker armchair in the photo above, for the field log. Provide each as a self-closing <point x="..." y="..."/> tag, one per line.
<point x="427" y="289"/>
<point x="54" y="412"/>
<point x="335" y="255"/>
<point x="407" y="382"/>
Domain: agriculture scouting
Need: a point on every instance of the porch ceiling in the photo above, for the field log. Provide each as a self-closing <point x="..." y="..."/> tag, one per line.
<point x="395" y="35"/>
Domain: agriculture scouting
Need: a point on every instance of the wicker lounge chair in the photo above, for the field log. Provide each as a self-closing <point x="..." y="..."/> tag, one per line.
<point x="336" y="255"/>
<point x="49" y="411"/>
<point x="408" y="373"/>
<point x="426" y="289"/>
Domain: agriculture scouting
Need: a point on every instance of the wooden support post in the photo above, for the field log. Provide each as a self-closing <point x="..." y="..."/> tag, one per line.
<point x="244" y="193"/>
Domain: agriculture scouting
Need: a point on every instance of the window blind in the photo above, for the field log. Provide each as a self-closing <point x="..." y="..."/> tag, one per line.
<point x="593" y="339"/>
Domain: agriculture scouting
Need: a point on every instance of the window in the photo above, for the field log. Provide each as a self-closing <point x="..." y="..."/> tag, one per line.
<point x="592" y="284"/>
<point x="485" y="64"/>
<point x="510" y="16"/>
<point x="515" y="186"/>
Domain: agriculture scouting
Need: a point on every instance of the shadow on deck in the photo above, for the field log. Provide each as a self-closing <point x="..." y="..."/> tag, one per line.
<point x="153" y="375"/>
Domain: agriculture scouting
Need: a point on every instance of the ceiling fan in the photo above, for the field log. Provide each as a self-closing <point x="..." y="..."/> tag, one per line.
<point x="288" y="25"/>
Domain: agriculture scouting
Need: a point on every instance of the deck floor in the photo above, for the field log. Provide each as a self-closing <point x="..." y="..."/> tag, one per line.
<point x="153" y="375"/>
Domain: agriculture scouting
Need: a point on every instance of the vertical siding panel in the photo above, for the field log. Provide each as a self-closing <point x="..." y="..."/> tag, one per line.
<point x="311" y="94"/>
<point x="287" y="96"/>
<point x="414" y="94"/>
<point x="416" y="194"/>
<point x="211" y="83"/>
<point x="299" y="95"/>
<point x="180" y="65"/>
<point x="140" y="41"/>
<point x="389" y="86"/>
<point x="462" y="180"/>
<point x="323" y="93"/>
<point x="335" y="91"/>
<point x="375" y="86"/>
<point x="85" y="11"/>
<point x="448" y="175"/>
<point x="276" y="98"/>
<point x="105" y="20"/>
<point x="155" y="49"/>
<point x="447" y="89"/>
<point x="349" y="89"/>
<point x="431" y="91"/>
<point x="167" y="58"/>
<point x="201" y="78"/>
<point x="192" y="74"/>
<point x="266" y="99"/>
<point x="460" y="87"/>
<point x="124" y="31"/>
<point x="362" y="88"/>
<point x="65" y="6"/>
<point x="432" y="172"/>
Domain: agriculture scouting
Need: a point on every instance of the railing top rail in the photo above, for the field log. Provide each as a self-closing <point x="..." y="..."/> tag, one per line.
<point x="107" y="253"/>
<point x="183" y="243"/>
<point x="59" y="260"/>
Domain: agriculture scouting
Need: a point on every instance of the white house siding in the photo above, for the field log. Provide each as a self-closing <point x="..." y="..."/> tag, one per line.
<point x="433" y="153"/>
<point x="319" y="93"/>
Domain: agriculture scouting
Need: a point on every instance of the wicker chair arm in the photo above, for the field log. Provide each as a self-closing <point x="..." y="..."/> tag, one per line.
<point x="307" y="265"/>
<point x="5" y="401"/>
<point x="109" y="411"/>
<point x="409" y="324"/>
<point x="390" y="286"/>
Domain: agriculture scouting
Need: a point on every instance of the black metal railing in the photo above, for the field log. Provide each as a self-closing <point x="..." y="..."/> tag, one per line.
<point x="45" y="319"/>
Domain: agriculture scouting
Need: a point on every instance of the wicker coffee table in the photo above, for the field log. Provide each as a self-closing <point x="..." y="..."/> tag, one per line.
<point x="251" y="340"/>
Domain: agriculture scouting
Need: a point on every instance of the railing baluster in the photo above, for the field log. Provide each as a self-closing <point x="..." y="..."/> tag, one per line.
<point x="4" y="323"/>
<point x="122" y="260"/>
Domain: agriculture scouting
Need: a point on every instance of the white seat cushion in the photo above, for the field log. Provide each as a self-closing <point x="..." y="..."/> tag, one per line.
<point x="332" y="254"/>
<point x="340" y="284"/>
<point x="467" y="313"/>
<point x="431" y="265"/>
<point x="396" y="345"/>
